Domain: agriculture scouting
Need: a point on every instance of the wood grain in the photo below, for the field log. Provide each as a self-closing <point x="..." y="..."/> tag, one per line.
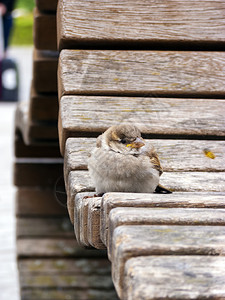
<point x="132" y="241"/>
<point x="165" y="117"/>
<point x="162" y="216"/>
<point x="130" y="200"/>
<point x="174" y="277"/>
<point x="45" y="64"/>
<point x="139" y="23"/>
<point x="33" y="202"/>
<point x="141" y="73"/>
<point x="44" y="31"/>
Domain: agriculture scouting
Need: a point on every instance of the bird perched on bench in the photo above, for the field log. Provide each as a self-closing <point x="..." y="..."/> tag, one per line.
<point x="123" y="161"/>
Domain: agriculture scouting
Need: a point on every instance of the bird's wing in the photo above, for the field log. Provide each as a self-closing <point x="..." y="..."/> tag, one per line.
<point x="155" y="160"/>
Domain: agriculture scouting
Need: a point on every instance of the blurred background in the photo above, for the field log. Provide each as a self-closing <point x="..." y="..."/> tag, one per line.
<point x="20" y="51"/>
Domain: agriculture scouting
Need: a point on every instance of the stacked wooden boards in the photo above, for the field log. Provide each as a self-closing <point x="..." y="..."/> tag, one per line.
<point x="160" y="66"/>
<point x="51" y="263"/>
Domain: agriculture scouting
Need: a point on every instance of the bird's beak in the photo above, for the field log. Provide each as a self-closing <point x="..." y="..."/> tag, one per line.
<point x="138" y="143"/>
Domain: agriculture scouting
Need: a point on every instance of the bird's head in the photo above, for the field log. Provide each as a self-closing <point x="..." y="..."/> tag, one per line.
<point x="124" y="138"/>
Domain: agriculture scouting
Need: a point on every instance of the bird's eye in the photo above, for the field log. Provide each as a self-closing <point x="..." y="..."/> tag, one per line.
<point x="123" y="141"/>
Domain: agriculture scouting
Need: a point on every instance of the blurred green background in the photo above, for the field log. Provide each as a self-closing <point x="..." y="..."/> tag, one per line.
<point x="23" y="23"/>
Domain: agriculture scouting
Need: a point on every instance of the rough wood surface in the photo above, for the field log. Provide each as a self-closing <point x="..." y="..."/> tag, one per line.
<point x="137" y="23"/>
<point x="146" y="73"/>
<point x="174" y="277"/>
<point x="45" y="64"/>
<point x="163" y="216"/>
<point x="175" y="155"/>
<point x="93" y="224"/>
<point x="131" y="241"/>
<point x="185" y="200"/>
<point x="22" y="150"/>
<point x="54" y="247"/>
<point x="37" y="172"/>
<point x="33" y="202"/>
<point x="91" y="115"/>
<point x="43" y="107"/>
<point x="44" y="227"/>
<point x="47" y="6"/>
<point x="44" y="31"/>
<point x="34" y="132"/>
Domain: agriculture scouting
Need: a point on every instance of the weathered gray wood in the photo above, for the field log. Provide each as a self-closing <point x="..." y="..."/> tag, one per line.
<point x="163" y="216"/>
<point x="56" y="294"/>
<point x="175" y="155"/>
<point x="93" y="223"/>
<point x="22" y="150"/>
<point x="37" y="172"/>
<point x="44" y="30"/>
<point x="79" y="181"/>
<point x="83" y="216"/>
<point x="45" y="64"/>
<point x="174" y="277"/>
<point x="54" y="247"/>
<point x="44" y="227"/>
<point x="47" y="6"/>
<point x="137" y="23"/>
<point x="34" y="132"/>
<point x="91" y="115"/>
<point x="43" y="107"/>
<point x="143" y="73"/>
<point x="33" y="202"/>
<point x="131" y="241"/>
<point x="185" y="200"/>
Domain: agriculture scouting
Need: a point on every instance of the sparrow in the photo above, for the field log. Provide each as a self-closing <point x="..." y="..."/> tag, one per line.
<point x="123" y="161"/>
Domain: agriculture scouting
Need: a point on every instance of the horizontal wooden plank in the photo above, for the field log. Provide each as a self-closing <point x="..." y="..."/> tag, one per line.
<point x="132" y="241"/>
<point x="137" y="23"/>
<point x="47" y="6"/>
<point x="54" y="247"/>
<point x="32" y="172"/>
<point x="23" y="150"/>
<point x="79" y="181"/>
<point x="44" y="31"/>
<point x="163" y="216"/>
<point x="141" y="73"/>
<point x="163" y="117"/>
<point x="174" y="277"/>
<point x="185" y="200"/>
<point x="34" y="132"/>
<point x="44" y="227"/>
<point x="175" y="155"/>
<point x="43" y="107"/>
<point x="84" y="266"/>
<point x="56" y="294"/>
<point x="45" y="64"/>
<point x="33" y="202"/>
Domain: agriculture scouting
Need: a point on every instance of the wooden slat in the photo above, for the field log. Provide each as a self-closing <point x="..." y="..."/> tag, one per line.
<point x="33" y="202"/>
<point x="45" y="65"/>
<point x="56" y="294"/>
<point x="174" y="277"/>
<point x="54" y="247"/>
<point x="131" y="241"/>
<point x="137" y="23"/>
<point x="22" y="150"/>
<point x="192" y="200"/>
<point x="44" y="30"/>
<point x="175" y="155"/>
<point x="47" y="6"/>
<point x="163" y="117"/>
<point x="44" y="227"/>
<point x="43" y="107"/>
<point x="163" y="216"/>
<point x="37" y="172"/>
<point x="79" y="181"/>
<point x="146" y="73"/>
<point x="34" y="132"/>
